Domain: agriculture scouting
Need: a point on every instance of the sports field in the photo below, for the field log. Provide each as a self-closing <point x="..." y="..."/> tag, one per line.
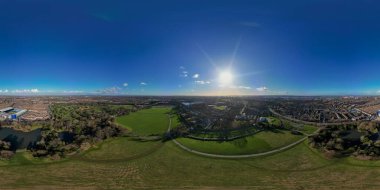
<point x="146" y="122"/>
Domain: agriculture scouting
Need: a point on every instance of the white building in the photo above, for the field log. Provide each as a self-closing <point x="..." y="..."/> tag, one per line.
<point x="11" y="113"/>
<point x="263" y="119"/>
<point x="6" y="109"/>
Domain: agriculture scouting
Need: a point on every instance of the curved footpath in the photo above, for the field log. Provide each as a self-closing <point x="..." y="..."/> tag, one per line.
<point x="234" y="156"/>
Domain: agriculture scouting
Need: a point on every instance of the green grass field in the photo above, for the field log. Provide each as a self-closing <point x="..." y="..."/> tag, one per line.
<point x="122" y="163"/>
<point x="169" y="167"/>
<point x="220" y="107"/>
<point x="274" y="121"/>
<point x="120" y="148"/>
<point x="146" y="122"/>
<point x="261" y="142"/>
<point x="308" y="129"/>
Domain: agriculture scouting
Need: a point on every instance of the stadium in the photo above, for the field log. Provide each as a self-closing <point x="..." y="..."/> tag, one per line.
<point x="11" y="113"/>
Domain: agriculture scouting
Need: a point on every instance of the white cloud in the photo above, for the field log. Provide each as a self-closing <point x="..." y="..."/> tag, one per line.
<point x="195" y="76"/>
<point x="24" y="91"/>
<point x="125" y="84"/>
<point x="34" y="90"/>
<point x="112" y="90"/>
<point x="378" y="91"/>
<point x="184" y="74"/>
<point x="38" y="91"/>
<point x="244" y="87"/>
<point x="202" y="82"/>
<point x="236" y="87"/>
<point x="262" y="89"/>
<point x="143" y="83"/>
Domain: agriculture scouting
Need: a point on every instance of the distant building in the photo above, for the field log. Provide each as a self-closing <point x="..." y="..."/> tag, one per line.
<point x="263" y="119"/>
<point x="188" y="104"/>
<point x="3" y="115"/>
<point x="6" y="109"/>
<point x="18" y="114"/>
<point x="11" y="113"/>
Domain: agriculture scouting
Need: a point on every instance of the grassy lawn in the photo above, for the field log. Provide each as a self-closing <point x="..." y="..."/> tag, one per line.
<point x="261" y="142"/>
<point x="169" y="167"/>
<point x="146" y="122"/>
<point x="274" y="121"/>
<point x="24" y="157"/>
<point x="116" y="164"/>
<point x="220" y="107"/>
<point x="175" y="121"/>
<point x="120" y="148"/>
<point x="309" y="129"/>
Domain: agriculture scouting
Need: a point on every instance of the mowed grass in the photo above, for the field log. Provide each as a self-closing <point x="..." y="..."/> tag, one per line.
<point x="120" y="148"/>
<point x="220" y="107"/>
<point x="261" y="142"/>
<point x="153" y="121"/>
<point x="24" y="157"/>
<point x="309" y="129"/>
<point x="169" y="167"/>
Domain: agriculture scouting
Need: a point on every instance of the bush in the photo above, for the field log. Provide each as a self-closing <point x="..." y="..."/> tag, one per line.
<point x="6" y="154"/>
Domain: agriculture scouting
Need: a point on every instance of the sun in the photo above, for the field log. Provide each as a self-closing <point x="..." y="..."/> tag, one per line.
<point x="226" y="78"/>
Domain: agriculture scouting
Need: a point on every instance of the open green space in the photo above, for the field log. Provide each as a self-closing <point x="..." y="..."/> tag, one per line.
<point x="234" y="133"/>
<point x="153" y="121"/>
<point x="261" y="142"/>
<point x="274" y="121"/>
<point x="123" y="163"/>
<point x="220" y="107"/>
<point x="121" y="148"/>
<point x="24" y="157"/>
<point x="308" y="129"/>
<point x="169" y="167"/>
<point x="122" y="106"/>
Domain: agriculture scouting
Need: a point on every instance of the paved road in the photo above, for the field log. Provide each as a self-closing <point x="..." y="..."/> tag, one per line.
<point x="309" y="122"/>
<point x="234" y="156"/>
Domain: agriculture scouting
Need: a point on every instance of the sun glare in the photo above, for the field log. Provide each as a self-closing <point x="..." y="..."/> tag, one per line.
<point x="225" y="78"/>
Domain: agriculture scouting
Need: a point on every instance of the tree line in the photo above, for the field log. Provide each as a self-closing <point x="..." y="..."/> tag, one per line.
<point x="74" y="127"/>
<point x="358" y="140"/>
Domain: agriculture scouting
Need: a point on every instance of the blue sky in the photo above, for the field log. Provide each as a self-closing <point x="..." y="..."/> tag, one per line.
<point x="324" y="47"/>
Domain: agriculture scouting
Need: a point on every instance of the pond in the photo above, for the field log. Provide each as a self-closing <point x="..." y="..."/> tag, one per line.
<point x="20" y="139"/>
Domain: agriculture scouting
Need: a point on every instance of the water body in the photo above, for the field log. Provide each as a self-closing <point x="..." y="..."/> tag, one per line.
<point x="20" y="139"/>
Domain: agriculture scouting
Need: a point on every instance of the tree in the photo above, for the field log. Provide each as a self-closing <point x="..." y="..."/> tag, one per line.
<point x="4" y="145"/>
<point x="5" y="151"/>
<point x="368" y="126"/>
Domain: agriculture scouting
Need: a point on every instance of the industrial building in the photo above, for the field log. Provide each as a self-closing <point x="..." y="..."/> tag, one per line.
<point x="11" y="113"/>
